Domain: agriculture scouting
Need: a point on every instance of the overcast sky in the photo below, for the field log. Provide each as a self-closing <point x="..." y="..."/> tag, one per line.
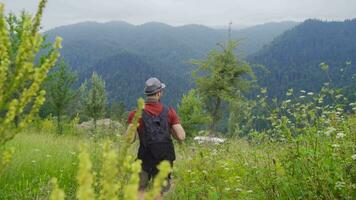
<point x="179" y="12"/>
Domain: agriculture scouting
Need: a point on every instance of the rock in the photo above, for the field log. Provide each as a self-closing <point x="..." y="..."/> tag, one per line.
<point x="102" y="124"/>
<point x="215" y="140"/>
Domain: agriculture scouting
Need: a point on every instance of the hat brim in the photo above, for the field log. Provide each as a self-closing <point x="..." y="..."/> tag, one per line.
<point x="157" y="90"/>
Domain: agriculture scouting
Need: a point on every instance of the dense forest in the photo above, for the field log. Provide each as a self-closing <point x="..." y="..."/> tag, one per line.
<point x="293" y="59"/>
<point x="290" y="54"/>
<point x="156" y="49"/>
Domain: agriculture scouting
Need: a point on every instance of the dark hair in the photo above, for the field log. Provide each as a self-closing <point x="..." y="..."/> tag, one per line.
<point x="154" y="94"/>
<point x="151" y="95"/>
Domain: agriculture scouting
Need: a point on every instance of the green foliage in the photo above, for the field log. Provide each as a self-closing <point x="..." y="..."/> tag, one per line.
<point x="293" y="58"/>
<point x="109" y="185"/>
<point x="94" y="99"/>
<point x="60" y="93"/>
<point x="37" y="158"/>
<point x="221" y="78"/>
<point x="85" y="177"/>
<point x="160" y="180"/>
<point x="116" y="111"/>
<point x="57" y="193"/>
<point x="214" y="172"/>
<point x="317" y="164"/>
<point x="240" y="121"/>
<point x="21" y="95"/>
<point x="191" y="113"/>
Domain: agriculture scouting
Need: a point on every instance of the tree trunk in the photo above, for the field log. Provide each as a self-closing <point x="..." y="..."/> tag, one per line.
<point x="94" y="119"/>
<point x="215" y="116"/>
<point x="59" y="123"/>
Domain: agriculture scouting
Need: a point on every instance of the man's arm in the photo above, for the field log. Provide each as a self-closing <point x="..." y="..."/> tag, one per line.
<point x="178" y="132"/>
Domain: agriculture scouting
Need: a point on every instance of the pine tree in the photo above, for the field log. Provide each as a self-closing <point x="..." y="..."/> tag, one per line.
<point x="60" y="91"/>
<point x="221" y="78"/>
<point x="94" y="98"/>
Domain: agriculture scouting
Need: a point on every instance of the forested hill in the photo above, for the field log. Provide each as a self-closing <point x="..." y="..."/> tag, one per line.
<point x="293" y="59"/>
<point x="126" y="54"/>
<point x="125" y="75"/>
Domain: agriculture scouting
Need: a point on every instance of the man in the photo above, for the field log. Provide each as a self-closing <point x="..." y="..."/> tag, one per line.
<point x="156" y="126"/>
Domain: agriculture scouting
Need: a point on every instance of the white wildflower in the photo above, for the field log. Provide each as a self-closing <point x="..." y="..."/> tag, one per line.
<point x="287" y="101"/>
<point x="339" y="96"/>
<point x="302" y="91"/>
<point x="353" y="157"/>
<point x="310" y="93"/>
<point x="335" y="146"/>
<point x="302" y="97"/>
<point x="340" y="135"/>
<point x="340" y="184"/>
<point x="339" y="109"/>
<point x="329" y="131"/>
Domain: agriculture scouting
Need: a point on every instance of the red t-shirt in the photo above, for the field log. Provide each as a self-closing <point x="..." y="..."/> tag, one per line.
<point x="155" y="109"/>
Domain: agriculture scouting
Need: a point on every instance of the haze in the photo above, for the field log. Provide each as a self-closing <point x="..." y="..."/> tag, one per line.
<point x="179" y="12"/>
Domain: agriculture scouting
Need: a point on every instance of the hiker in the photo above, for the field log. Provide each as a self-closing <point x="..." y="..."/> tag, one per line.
<point x="156" y="126"/>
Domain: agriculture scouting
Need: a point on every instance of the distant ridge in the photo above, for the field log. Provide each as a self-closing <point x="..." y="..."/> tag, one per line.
<point x="90" y="46"/>
<point x="293" y="58"/>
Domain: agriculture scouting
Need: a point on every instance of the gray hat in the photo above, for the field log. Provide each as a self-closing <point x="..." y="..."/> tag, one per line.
<point x="153" y="85"/>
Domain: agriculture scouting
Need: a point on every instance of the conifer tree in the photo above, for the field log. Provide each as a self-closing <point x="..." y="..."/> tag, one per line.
<point x="221" y="78"/>
<point x="94" y="98"/>
<point x="60" y="91"/>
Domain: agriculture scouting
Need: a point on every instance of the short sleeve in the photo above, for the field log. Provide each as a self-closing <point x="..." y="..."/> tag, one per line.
<point x="173" y="117"/>
<point x="131" y="116"/>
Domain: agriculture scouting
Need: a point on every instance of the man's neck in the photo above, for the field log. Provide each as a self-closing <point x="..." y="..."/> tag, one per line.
<point x="152" y="100"/>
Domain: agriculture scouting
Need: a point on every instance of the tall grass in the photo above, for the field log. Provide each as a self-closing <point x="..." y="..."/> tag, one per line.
<point x="38" y="158"/>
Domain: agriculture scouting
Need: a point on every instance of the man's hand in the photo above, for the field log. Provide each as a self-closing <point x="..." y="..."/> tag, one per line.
<point x="178" y="132"/>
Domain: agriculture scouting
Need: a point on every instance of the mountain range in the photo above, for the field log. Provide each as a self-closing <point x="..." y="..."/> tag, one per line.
<point x="125" y="55"/>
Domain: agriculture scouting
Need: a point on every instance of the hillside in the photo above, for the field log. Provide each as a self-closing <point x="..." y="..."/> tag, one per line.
<point x="160" y="48"/>
<point x="293" y="58"/>
<point x="125" y="74"/>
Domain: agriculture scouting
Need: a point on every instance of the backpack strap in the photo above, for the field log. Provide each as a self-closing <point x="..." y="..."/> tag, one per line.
<point x="164" y="113"/>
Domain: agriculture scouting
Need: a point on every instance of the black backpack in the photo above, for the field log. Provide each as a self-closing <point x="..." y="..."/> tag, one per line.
<point x="155" y="140"/>
<point x="155" y="128"/>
